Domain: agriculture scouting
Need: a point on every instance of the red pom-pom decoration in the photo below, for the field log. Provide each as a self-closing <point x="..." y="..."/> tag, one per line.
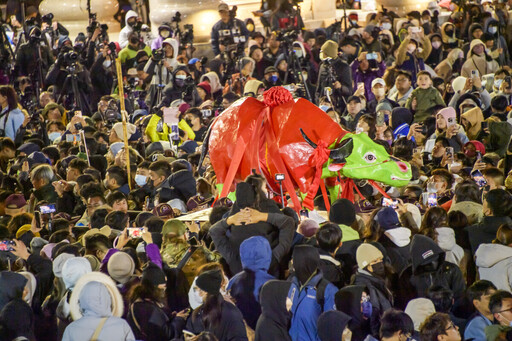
<point x="276" y="95"/>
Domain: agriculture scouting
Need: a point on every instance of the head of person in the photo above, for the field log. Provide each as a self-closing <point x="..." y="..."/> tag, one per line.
<point x="97" y="245"/>
<point x="354" y="105"/>
<point x="500" y="305"/>
<point x="499" y="76"/>
<point x="329" y="237"/>
<point x="366" y="124"/>
<point x="223" y="9"/>
<point x="499" y="104"/>
<point x="478" y="49"/>
<point x="439" y="327"/>
<point x="256" y="53"/>
<point x="440" y="147"/>
<point x="497" y="203"/>
<point x="370" y="259"/>
<point x="7" y="148"/>
<point x="193" y="118"/>
<point x="467" y="191"/>
<point x="494" y="177"/>
<point x="396" y="325"/>
<point x="117" y="200"/>
<point x="403" y="81"/>
<point x="424" y="79"/>
<point x="443" y="179"/>
<point x="76" y="168"/>
<point x="115" y="178"/>
<point x="134" y="40"/>
<point x="158" y="172"/>
<point x="45" y="98"/>
<point x="8" y="97"/>
<point x="41" y="176"/>
<point x="379" y="88"/>
<point x="305" y="262"/>
<point x="479" y="293"/>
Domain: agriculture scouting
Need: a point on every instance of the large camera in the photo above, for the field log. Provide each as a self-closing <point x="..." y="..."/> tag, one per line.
<point x="158" y="55"/>
<point x="187" y="37"/>
<point x="112" y="113"/>
<point x="288" y="36"/>
<point x="176" y="18"/>
<point x="47" y="18"/>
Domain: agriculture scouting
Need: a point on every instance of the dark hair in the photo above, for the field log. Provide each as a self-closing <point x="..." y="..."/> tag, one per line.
<point x="441" y="297"/>
<point x="499" y="201"/>
<point x="403" y="73"/>
<point x="60" y="224"/>
<point x="211" y="311"/>
<point x="504" y="235"/>
<point x="178" y="165"/>
<point x="423" y="73"/>
<point x="467" y="191"/>
<point x="434" y="326"/>
<point x="403" y="148"/>
<point x="117" y="220"/>
<point x="12" y="99"/>
<point x="320" y="203"/>
<point x="416" y="189"/>
<point x="91" y="190"/>
<point x="329" y="236"/>
<point x="6" y="142"/>
<point x="78" y="164"/>
<point x="98" y="218"/>
<point x="114" y="197"/>
<point x="443" y="140"/>
<point x="395" y="321"/>
<point x="478" y="289"/>
<point x="434" y="217"/>
<point x="146" y="290"/>
<point x="495" y="173"/>
<point x="119" y="174"/>
<point x="444" y="173"/>
<point x="17" y="221"/>
<point x="496" y="300"/>
<point x="59" y="236"/>
<point x="230" y="97"/>
<point x="154" y="224"/>
<point x="499" y="103"/>
<point x="257" y="181"/>
<point x="217" y="213"/>
<point x="457" y="220"/>
<point x="96" y="242"/>
<point x="162" y="168"/>
<point x="370" y="120"/>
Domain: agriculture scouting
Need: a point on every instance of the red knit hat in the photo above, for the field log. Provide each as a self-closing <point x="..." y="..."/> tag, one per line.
<point x="206" y="87"/>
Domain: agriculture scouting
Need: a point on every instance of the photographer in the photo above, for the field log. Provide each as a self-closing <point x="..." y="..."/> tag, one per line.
<point x="102" y="73"/>
<point x="160" y="68"/>
<point x="287" y="17"/>
<point x="335" y="73"/>
<point x="131" y="20"/>
<point x="182" y="87"/>
<point x="228" y="26"/>
<point x="51" y="31"/>
<point x="164" y="32"/>
<point x="32" y="55"/>
<point x="128" y="55"/>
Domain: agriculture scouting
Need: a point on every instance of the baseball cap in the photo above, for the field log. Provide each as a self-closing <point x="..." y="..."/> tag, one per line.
<point x="223" y="7"/>
<point x="378" y="81"/>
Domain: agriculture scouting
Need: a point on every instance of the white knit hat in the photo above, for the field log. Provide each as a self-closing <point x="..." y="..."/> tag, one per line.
<point x="419" y="309"/>
<point x="367" y="253"/>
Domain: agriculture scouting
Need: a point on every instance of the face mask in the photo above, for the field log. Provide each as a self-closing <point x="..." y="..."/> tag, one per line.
<point x="140" y="179"/>
<point x="436" y="44"/>
<point x="386" y="26"/>
<point x="353" y="22"/>
<point x="497" y="83"/>
<point x="165" y="34"/>
<point x="449" y="33"/>
<point x="379" y="270"/>
<point x="107" y="64"/>
<point x="379" y="92"/>
<point x="134" y="41"/>
<point x="367" y="307"/>
<point x="273" y="79"/>
<point x="298" y="53"/>
<point x="53" y="136"/>
<point x="181" y="77"/>
<point x="325" y="107"/>
<point x="493" y="29"/>
<point x="180" y="82"/>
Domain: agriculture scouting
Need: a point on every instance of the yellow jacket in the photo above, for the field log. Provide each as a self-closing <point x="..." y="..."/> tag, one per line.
<point x="155" y="136"/>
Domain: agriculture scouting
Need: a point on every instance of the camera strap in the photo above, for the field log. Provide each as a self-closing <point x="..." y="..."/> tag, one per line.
<point x="6" y="114"/>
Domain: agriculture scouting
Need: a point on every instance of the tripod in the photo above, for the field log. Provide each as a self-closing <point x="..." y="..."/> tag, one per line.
<point x="295" y="67"/>
<point x="72" y="78"/>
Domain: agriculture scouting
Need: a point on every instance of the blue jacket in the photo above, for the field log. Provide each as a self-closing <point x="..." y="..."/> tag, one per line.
<point x="14" y="118"/>
<point x="475" y="329"/>
<point x="255" y="255"/>
<point x="306" y="310"/>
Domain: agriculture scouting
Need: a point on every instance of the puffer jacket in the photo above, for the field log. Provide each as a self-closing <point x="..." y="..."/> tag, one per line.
<point x="494" y="262"/>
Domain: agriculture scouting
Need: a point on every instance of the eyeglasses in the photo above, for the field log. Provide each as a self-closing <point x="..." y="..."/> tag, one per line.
<point x="506" y="310"/>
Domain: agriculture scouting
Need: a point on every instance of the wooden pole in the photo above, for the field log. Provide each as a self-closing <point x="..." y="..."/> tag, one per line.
<point x="124" y="114"/>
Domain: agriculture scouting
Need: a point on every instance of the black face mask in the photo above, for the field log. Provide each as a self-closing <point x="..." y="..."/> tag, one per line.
<point x="432" y="266"/>
<point x="189" y="122"/>
<point x="379" y="270"/>
<point x="449" y="33"/>
<point x="134" y="41"/>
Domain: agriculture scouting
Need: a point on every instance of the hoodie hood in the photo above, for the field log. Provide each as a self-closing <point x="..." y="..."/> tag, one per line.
<point x="255" y="254"/>
<point x="499" y="138"/>
<point x="331" y="325"/>
<point x="175" y="47"/>
<point x="305" y="262"/>
<point x="130" y="14"/>
<point x="453" y="55"/>
<point x="301" y="45"/>
<point x="348" y="300"/>
<point x="424" y="251"/>
<point x="449" y="115"/>
<point x="488" y="255"/>
<point x="474" y="118"/>
<point x="446" y="238"/>
<point x="400" y="116"/>
<point x="12" y="285"/>
<point x="474" y="43"/>
<point x="273" y="296"/>
<point x="95" y="300"/>
<point x="400" y="236"/>
<point x="244" y="61"/>
<point x="472" y="28"/>
<point x="448" y="39"/>
<point x="213" y="79"/>
<point x="252" y="86"/>
<point x="418" y="310"/>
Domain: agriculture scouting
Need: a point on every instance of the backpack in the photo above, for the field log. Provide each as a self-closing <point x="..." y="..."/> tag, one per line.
<point x="320" y="292"/>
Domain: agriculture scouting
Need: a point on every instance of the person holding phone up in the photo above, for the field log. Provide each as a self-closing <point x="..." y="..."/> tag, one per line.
<point x="409" y="58"/>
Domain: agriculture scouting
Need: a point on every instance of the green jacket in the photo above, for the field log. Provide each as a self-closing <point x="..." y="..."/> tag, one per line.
<point x="348" y="233"/>
<point x="426" y="100"/>
<point x="128" y="53"/>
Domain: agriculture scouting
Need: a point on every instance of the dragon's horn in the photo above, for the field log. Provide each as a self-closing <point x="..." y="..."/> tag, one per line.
<point x="308" y="140"/>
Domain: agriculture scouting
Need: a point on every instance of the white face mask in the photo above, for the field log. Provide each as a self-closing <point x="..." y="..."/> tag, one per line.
<point x="493" y="29"/>
<point x="107" y="63"/>
<point x="436" y="44"/>
<point x="386" y="26"/>
<point x="379" y="92"/>
<point x="53" y="136"/>
<point x="298" y="53"/>
<point x="194" y="299"/>
<point x="140" y="179"/>
<point x="497" y="83"/>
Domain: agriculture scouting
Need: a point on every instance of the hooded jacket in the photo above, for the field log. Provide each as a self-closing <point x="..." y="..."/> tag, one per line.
<point x="396" y="241"/>
<point x="127" y="29"/>
<point x="380" y="296"/>
<point x="348" y="300"/>
<point x="173" y="91"/>
<point x="445" y="68"/>
<point x="212" y="78"/>
<point x="472" y="121"/>
<point x="480" y="63"/>
<point x="95" y="304"/>
<point x="485" y="231"/>
<point x="499" y="137"/>
<point x="12" y="285"/>
<point x="472" y="210"/>
<point x="449" y="42"/>
<point x="428" y="268"/>
<point x="494" y="262"/>
<point x="331" y="325"/>
<point x="305" y="308"/>
<point x="446" y="240"/>
<point x="183" y="185"/>
<point x="275" y="319"/>
<point x="256" y="256"/>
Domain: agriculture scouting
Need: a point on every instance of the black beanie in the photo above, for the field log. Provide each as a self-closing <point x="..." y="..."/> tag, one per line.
<point x="245" y="195"/>
<point x="153" y="274"/>
<point x="342" y="212"/>
<point x="210" y="281"/>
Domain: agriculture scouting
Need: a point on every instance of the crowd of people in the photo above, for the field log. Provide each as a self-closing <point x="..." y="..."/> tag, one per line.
<point x="111" y="222"/>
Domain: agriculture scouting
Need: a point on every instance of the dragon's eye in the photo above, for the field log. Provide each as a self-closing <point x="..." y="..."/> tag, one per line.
<point x="370" y="157"/>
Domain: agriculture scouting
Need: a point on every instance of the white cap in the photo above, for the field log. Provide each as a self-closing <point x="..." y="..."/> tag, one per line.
<point x="378" y="81"/>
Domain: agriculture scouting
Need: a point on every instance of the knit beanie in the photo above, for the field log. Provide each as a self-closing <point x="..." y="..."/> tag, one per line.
<point x="210" y="281"/>
<point x="329" y="50"/>
<point x="153" y="274"/>
<point x="118" y="128"/>
<point x="418" y="310"/>
<point x="121" y="267"/>
<point x="174" y="226"/>
<point x="206" y="87"/>
<point x="367" y="253"/>
<point x="342" y="212"/>
<point x="95" y="263"/>
<point x="73" y="269"/>
<point x="387" y="218"/>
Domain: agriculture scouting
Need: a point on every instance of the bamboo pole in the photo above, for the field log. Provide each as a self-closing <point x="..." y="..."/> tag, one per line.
<point x="124" y="114"/>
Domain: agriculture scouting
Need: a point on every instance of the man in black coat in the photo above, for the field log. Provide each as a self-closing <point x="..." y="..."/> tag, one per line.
<point x="329" y="241"/>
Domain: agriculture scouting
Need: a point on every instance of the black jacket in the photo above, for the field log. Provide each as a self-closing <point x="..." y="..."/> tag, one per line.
<point x="274" y="320"/>
<point x="183" y="185"/>
<point x="485" y="232"/>
<point x="428" y="269"/>
<point x="231" y="326"/>
<point x="348" y="300"/>
<point x="331" y="268"/>
<point x="400" y="257"/>
<point x="342" y="73"/>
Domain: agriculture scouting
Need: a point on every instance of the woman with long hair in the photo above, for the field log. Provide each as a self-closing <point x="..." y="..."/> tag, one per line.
<point x="216" y="315"/>
<point x="11" y="117"/>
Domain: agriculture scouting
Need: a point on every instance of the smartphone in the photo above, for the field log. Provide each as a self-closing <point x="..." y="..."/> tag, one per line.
<point x="479" y="178"/>
<point x="387" y="202"/>
<point x="78" y="113"/>
<point x="304" y="214"/>
<point x="381" y="119"/>
<point x="170" y="116"/>
<point x="206" y="112"/>
<point x="37" y="218"/>
<point x="72" y="137"/>
<point x="371" y="56"/>
<point x="360" y="85"/>
<point x="432" y="199"/>
<point x="449" y="152"/>
<point x="484" y="125"/>
<point x="478" y="155"/>
<point x="289" y="87"/>
<point x="147" y="202"/>
<point x="7" y="245"/>
<point x="47" y="209"/>
<point x="175" y="132"/>
<point x="135" y="232"/>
